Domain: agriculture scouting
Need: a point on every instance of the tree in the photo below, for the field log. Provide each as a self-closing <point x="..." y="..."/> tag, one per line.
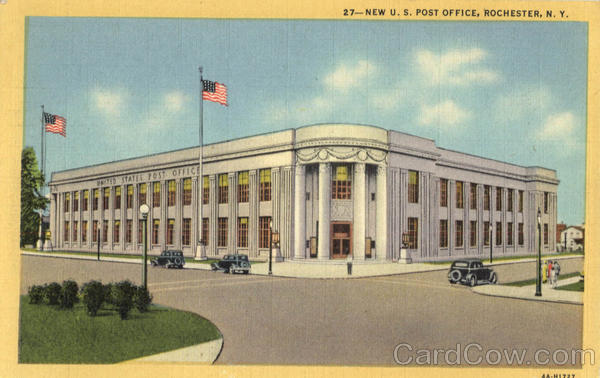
<point x="32" y="181"/>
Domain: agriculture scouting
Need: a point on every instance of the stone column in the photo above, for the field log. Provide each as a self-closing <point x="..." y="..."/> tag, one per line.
<point x="381" y="211"/>
<point x="300" y="212"/>
<point x="162" y="237"/>
<point x="480" y="235"/>
<point x="324" y="208"/>
<point x="53" y="212"/>
<point x="179" y="212"/>
<point x="135" y="216"/>
<point x="360" y="210"/>
<point x="285" y="216"/>
<point x="196" y="223"/>
<point x="232" y="206"/>
<point x="91" y="229"/>
<point x="253" y="213"/>
<point x="214" y="215"/>
<point x="275" y="196"/>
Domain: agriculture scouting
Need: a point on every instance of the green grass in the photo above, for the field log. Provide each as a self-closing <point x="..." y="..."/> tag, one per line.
<point x="50" y="335"/>
<point x="504" y="258"/>
<point x="575" y="286"/>
<point x="532" y="281"/>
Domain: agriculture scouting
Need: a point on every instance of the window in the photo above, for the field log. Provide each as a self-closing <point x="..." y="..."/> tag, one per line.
<point x="205" y="190"/>
<point x="545" y="202"/>
<point x="128" y="229"/>
<point x="155" y="231"/>
<point x="84" y="227"/>
<point x="413" y="233"/>
<point x="413" y="187"/>
<point x="76" y="201"/>
<point x="222" y="232"/>
<point x="443" y="233"/>
<point x="117" y="197"/>
<point x="459" y="194"/>
<point x="66" y="231"/>
<point x="172" y="192"/>
<point x="186" y="231"/>
<point x="521" y="234"/>
<point x="66" y="202"/>
<point x="498" y="199"/>
<point x="473" y="234"/>
<point x="498" y="233"/>
<point x="156" y="194"/>
<point x="142" y="190"/>
<point x="187" y="192"/>
<point x="473" y="197"/>
<point x="105" y="204"/>
<point x="104" y="231"/>
<point x="140" y="231"/>
<point x="170" y="231"/>
<point x="509" y="200"/>
<point x="86" y="198"/>
<point x="95" y="200"/>
<point x="520" y="201"/>
<point x="205" y="224"/>
<point x="341" y="185"/>
<point x="486" y="233"/>
<point x="95" y="231"/>
<point x="486" y="197"/>
<point x="265" y="185"/>
<point x="242" y="192"/>
<point x="242" y="232"/>
<point x="264" y="232"/>
<point x="223" y="188"/>
<point x="509" y="233"/>
<point x="443" y="193"/>
<point x="74" y="231"/>
<point x="116" y="231"/>
<point x="129" y="196"/>
<point x="545" y="233"/>
<point x="458" y="241"/>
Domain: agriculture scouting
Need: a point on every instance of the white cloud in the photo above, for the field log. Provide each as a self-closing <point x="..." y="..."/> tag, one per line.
<point x="445" y="113"/>
<point x="109" y="101"/>
<point x="175" y="101"/>
<point x="523" y="103"/>
<point x="455" y="67"/>
<point x="346" y="77"/>
<point x="558" y="126"/>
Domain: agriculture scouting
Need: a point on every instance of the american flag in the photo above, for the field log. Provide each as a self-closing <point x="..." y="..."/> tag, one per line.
<point x="55" y="124"/>
<point x="213" y="91"/>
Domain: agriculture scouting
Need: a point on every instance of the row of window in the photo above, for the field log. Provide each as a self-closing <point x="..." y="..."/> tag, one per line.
<point x="458" y="233"/>
<point x="222" y="230"/>
<point x="486" y="197"/>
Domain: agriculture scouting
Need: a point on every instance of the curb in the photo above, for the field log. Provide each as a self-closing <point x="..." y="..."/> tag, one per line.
<point x="474" y="290"/>
<point x="208" y="352"/>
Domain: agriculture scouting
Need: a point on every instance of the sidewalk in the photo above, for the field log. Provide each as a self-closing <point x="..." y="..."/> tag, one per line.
<point x="201" y="353"/>
<point x="310" y="269"/>
<point x="528" y="292"/>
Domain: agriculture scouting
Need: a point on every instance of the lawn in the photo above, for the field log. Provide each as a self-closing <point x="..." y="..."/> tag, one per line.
<point x="532" y="281"/>
<point x="575" y="286"/>
<point x="50" y="335"/>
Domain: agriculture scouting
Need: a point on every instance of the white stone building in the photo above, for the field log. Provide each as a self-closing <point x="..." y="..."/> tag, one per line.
<point x="329" y="190"/>
<point x="574" y="236"/>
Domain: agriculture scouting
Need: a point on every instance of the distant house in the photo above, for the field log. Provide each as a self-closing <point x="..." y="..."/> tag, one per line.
<point x="573" y="238"/>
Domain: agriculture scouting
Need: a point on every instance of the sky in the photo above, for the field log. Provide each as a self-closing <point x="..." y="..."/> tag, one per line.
<point x="511" y="91"/>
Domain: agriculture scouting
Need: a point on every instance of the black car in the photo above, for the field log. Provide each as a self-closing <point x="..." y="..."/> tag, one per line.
<point x="169" y="259"/>
<point x="471" y="272"/>
<point x="232" y="264"/>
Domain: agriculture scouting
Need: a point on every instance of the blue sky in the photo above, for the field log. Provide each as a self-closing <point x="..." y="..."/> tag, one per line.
<point x="510" y="91"/>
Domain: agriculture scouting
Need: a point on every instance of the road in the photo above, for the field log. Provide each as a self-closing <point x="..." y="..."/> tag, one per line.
<point x="271" y="320"/>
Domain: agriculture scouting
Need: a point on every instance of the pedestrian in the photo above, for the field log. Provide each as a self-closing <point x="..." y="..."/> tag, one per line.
<point x="545" y="272"/>
<point x="549" y="272"/>
<point x="349" y="264"/>
<point x="553" y="276"/>
<point x="557" y="266"/>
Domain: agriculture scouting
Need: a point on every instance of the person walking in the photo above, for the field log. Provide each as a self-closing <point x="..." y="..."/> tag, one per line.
<point x="553" y="276"/>
<point x="549" y="272"/>
<point x="545" y="272"/>
<point x="557" y="267"/>
<point x="349" y="264"/>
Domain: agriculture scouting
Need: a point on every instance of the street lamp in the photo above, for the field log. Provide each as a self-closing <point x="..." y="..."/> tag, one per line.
<point x="538" y="278"/>
<point x="144" y="209"/>
<point x="491" y="228"/>
<point x="270" y="247"/>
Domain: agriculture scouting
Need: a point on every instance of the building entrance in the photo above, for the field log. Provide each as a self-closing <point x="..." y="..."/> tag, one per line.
<point x="341" y="239"/>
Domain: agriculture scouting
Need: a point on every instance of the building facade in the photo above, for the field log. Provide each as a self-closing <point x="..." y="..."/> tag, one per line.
<point x="572" y="238"/>
<point x="329" y="191"/>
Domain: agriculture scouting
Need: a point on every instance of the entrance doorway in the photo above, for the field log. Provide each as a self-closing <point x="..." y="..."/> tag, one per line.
<point x="341" y="240"/>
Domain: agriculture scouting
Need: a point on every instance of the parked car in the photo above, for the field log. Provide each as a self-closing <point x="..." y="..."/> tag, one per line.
<point x="471" y="272"/>
<point x="232" y="264"/>
<point x="169" y="259"/>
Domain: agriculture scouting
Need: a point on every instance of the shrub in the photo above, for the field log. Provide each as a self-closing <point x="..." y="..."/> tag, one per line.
<point x="68" y="294"/>
<point x="36" y="294"/>
<point x="108" y="297"/>
<point x="142" y="299"/>
<point x="122" y="296"/>
<point x="52" y="292"/>
<point x="93" y="296"/>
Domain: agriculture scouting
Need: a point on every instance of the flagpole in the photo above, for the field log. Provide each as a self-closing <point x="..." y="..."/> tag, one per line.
<point x="201" y="243"/>
<point x="42" y="143"/>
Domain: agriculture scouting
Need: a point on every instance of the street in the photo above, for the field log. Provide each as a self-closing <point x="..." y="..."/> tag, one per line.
<point x="271" y="320"/>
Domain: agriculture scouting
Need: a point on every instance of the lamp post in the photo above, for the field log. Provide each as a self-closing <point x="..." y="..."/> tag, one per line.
<point x="270" y="247"/>
<point x="491" y="230"/>
<point x="144" y="209"/>
<point x="538" y="278"/>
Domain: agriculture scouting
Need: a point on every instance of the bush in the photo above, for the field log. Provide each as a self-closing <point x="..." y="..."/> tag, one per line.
<point x="93" y="296"/>
<point x="142" y="299"/>
<point x="36" y="294"/>
<point x="107" y="290"/>
<point x="68" y="294"/>
<point x="52" y="292"/>
<point x="122" y="296"/>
